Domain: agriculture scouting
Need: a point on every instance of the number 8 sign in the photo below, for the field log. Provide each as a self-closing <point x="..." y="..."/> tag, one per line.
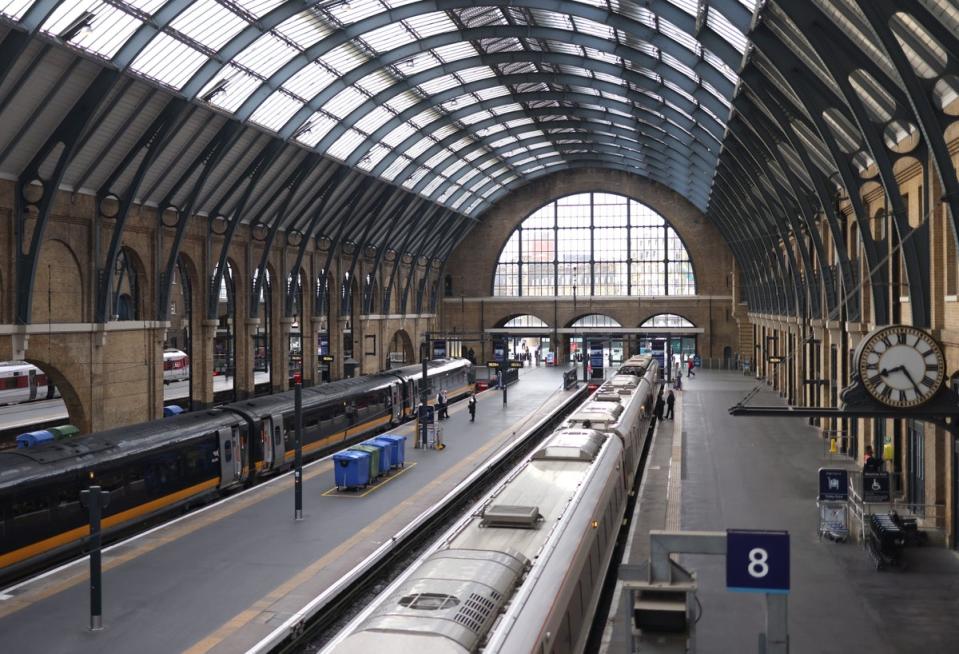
<point x="757" y="561"/>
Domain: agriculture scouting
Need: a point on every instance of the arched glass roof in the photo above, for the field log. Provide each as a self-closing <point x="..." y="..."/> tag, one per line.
<point x="456" y="101"/>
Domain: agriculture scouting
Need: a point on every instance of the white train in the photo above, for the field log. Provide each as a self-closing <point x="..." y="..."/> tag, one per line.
<point x="176" y="366"/>
<point x="524" y="572"/>
<point x="23" y="382"/>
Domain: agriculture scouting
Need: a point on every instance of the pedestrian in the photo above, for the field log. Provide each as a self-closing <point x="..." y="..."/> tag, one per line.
<point x="670" y="401"/>
<point x="870" y="462"/>
<point x="471" y="405"/>
<point x="690" y="365"/>
<point x="660" y="405"/>
<point x="678" y="383"/>
<point x="446" y="404"/>
<point x="440" y="406"/>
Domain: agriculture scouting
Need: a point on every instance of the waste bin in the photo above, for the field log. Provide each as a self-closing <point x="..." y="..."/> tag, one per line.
<point x="63" y="431"/>
<point x="34" y="438"/>
<point x="386" y="454"/>
<point x="392" y="449"/>
<point x="374" y="462"/>
<point x="351" y="469"/>
<point x="172" y="410"/>
<point x="399" y="448"/>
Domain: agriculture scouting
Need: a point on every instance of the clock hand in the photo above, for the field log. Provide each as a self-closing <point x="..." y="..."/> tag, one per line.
<point x="911" y="380"/>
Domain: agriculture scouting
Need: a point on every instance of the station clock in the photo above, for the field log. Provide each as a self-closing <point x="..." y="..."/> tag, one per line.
<point x="900" y="365"/>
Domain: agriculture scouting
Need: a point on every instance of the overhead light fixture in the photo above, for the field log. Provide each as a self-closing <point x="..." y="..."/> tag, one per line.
<point x="217" y="89"/>
<point x="79" y="24"/>
<point x="304" y="129"/>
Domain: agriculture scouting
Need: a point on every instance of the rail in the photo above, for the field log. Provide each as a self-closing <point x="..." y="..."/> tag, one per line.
<point x="322" y="609"/>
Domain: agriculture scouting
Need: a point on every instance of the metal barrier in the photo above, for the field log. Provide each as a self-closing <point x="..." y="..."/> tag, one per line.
<point x="929" y="516"/>
<point x="570" y="379"/>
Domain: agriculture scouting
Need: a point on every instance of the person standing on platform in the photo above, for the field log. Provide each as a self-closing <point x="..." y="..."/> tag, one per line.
<point x="690" y="364"/>
<point x="670" y="401"/>
<point x="660" y="405"/>
<point x="870" y="462"/>
<point x="471" y="405"/>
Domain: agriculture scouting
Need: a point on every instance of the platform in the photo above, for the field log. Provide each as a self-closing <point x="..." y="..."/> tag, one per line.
<point x="224" y="577"/>
<point x="710" y="471"/>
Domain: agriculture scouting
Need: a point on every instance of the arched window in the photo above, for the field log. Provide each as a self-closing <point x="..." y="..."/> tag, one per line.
<point x="666" y="320"/>
<point x="594" y="244"/>
<point x="596" y="320"/>
<point x="525" y="321"/>
<point x="126" y="288"/>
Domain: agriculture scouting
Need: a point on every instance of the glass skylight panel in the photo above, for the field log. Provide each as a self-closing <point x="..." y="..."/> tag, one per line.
<point x="259" y="8"/>
<point x="439" y="84"/>
<point x="312" y="131"/>
<point x="486" y="164"/>
<point x="444" y="131"/>
<point x="344" y="58"/>
<point x="509" y="179"/>
<point x="500" y="142"/>
<point x="432" y="186"/>
<point x="721" y="25"/>
<point x="377" y="81"/>
<point x="609" y="58"/>
<point x="433" y="161"/>
<point x="454" y="166"/>
<point x="493" y="189"/>
<point x="635" y="11"/>
<point x="455" y="51"/>
<point x="551" y="19"/>
<point x="591" y="27"/>
<point x="436" y="22"/>
<point x="149" y="7"/>
<point x="459" y="201"/>
<point x="675" y="88"/>
<point x="403" y="101"/>
<point x="676" y="64"/>
<point x="266" y="55"/>
<point x="304" y="29"/>
<point x="276" y="110"/>
<point x="238" y="86"/>
<point x="396" y="168"/>
<point x="15" y="8"/>
<point x="564" y="48"/>
<point x="612" y="79"/>
<point x="482" y="181"/>
<point x="506" y="108"/>
<point x="354" y="10"/>
<point x="714" y="92"/>
<point x="168" y="61"/>
<point x="346" y="144"/>
<point x="419" y="147"/>
<point x="414" y="179"/>
<point x="399" y="134"/>
<point x="681" y="37"/>
<point x="519" y="122"/>
<point x="107" y="33"/>
<point x="374" y="157"/>
<point x="388" y="37"/>
<point x="492" y="129"/>
<point x="473" y="118"/>
<point x="208" y="23"/>
<point x="376" y="118"/>
<point x="468" y="176"/>
<point x="524" y="160"/>
<point x="345" y="102"/>
<point x="309" y="81"/>
<point x="426" y="117"/>
<point x="721" y="66"/>
<point x="475" y="74"/>
<point x="492" y="92"/>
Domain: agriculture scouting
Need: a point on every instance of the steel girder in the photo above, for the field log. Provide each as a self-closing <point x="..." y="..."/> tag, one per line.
<point x="437" y="237"/>
<point x="374" y="211"/>
<point x="914" y="244"/>
<point x="931" y="121"/>
<point x="426" y="213"/>
<point x="399" y="211"/>
<point x="29" y="182"/>
<point x="149" y="146"/>
<point x="815" y="123"/>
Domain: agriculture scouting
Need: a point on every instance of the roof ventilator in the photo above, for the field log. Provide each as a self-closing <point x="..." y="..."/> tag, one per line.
<point x="511" y="516"/>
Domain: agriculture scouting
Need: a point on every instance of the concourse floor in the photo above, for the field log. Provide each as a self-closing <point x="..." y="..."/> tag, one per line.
<point x="221" y="579"/>
<point x="761" y="473"/>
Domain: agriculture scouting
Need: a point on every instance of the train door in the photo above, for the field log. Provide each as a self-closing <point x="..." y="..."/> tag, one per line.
<point x="33" y="383"/>
<point x="278" y="449"/>
<point x="396" y="402"/>
<point x="266" y="431"/>
<point x="231" y="463"/>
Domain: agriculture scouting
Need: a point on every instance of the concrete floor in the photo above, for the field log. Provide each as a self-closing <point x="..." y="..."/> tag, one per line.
<point x="761" y="473"/>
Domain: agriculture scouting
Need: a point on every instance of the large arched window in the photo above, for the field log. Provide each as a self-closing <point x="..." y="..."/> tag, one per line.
<point x="594" y="244"/>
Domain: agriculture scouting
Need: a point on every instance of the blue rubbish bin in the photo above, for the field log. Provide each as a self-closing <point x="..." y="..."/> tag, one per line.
<point x="399" y="448"/>
<point x="386" y="454"/>
<point x="35" y="438"/>
<point x="391" y="450"/>
<point x="172" y="410"/>
<point x="351" y="469"/>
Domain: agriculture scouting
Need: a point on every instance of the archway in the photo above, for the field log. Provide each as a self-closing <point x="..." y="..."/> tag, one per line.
<point x="179" y="337"/>
<point x="127" y="273"/>
<point x="527" y="338"/>
<point x="350" y="301"/>
<point x="224" y="341"/>
<point x="597" y="338"/>
<point x="76" y="411"/>
<point x="669" y="337"/>
<point x="400" y="350"/>
<point x="58" y="292"/>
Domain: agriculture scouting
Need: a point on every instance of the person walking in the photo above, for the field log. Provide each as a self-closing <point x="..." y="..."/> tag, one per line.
<point x="660" y="405"/>
<point x="670" y="401"/>
<point x="690" y="364"/>
<point x="471" y="405"/>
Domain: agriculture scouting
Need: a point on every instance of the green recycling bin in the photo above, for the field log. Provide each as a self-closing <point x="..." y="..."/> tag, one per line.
<point x="63" y="431"/>
<point x="374" y="453"/>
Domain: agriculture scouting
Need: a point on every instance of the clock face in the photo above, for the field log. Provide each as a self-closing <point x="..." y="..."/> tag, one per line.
<point x="901" y="366"/>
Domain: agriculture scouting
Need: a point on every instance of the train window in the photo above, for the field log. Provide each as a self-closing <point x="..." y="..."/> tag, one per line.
<point x="28" y="506"/>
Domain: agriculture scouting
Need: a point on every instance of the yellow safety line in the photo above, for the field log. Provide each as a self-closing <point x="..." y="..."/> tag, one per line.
<point x="336" y="492"/>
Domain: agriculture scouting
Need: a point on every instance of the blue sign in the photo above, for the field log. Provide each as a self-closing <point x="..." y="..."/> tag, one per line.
<point x="499" y="350"/>
<point x="697" y="361"/>
<point x="596" y="355"/>
<point x="757" y="561"/>
<point x="439" y="349"/>
<point x="833" y="485"/>
<point x="427" y="414"/>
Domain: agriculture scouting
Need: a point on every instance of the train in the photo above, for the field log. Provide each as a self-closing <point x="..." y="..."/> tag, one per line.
<point x="176" y="366"/>
<point x="523" y="572"/>
<point x="24" y="382"/>
<point x="156" y="467"/>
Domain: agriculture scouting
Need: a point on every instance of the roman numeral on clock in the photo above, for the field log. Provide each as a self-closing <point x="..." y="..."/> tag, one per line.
<point x="928" y="381"/>
<point x="886" y="392"/>
<point x="876" y="380"/>
<point x="902" y="396"/>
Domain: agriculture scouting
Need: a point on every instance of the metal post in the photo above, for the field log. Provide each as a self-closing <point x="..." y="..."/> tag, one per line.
<point x="504" y="387"/>
<point x="298" y="457"/>
<point x="424" y="391"/>
<point x="777" y="634"/>
<point x="95" y="500"/>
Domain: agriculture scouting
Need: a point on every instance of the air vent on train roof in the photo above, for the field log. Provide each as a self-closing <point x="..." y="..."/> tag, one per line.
<point x="509" y="515"/>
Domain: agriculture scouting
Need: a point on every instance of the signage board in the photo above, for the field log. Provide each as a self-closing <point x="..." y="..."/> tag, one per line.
<point x="875" y="487"/>
<point x="327" y="358"/>
<point x="697" y="361"/>
<point x="774" y="360"/>
<point x="322" y="343"/>
<point x="833" y="484"/>
<point x="515" y="364"/>
<point x="439" y="349"/>
<point x="499" y="350"/>
<point x="757" y="561"/>
<point x="596" y="355"/>
<point x="492" y="364"/>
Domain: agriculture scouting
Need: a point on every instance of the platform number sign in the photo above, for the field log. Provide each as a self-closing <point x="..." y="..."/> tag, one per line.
<point x="757" y="561"/>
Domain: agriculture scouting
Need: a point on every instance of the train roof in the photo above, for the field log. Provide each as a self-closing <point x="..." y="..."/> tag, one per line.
<point x="23" y="467"/>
